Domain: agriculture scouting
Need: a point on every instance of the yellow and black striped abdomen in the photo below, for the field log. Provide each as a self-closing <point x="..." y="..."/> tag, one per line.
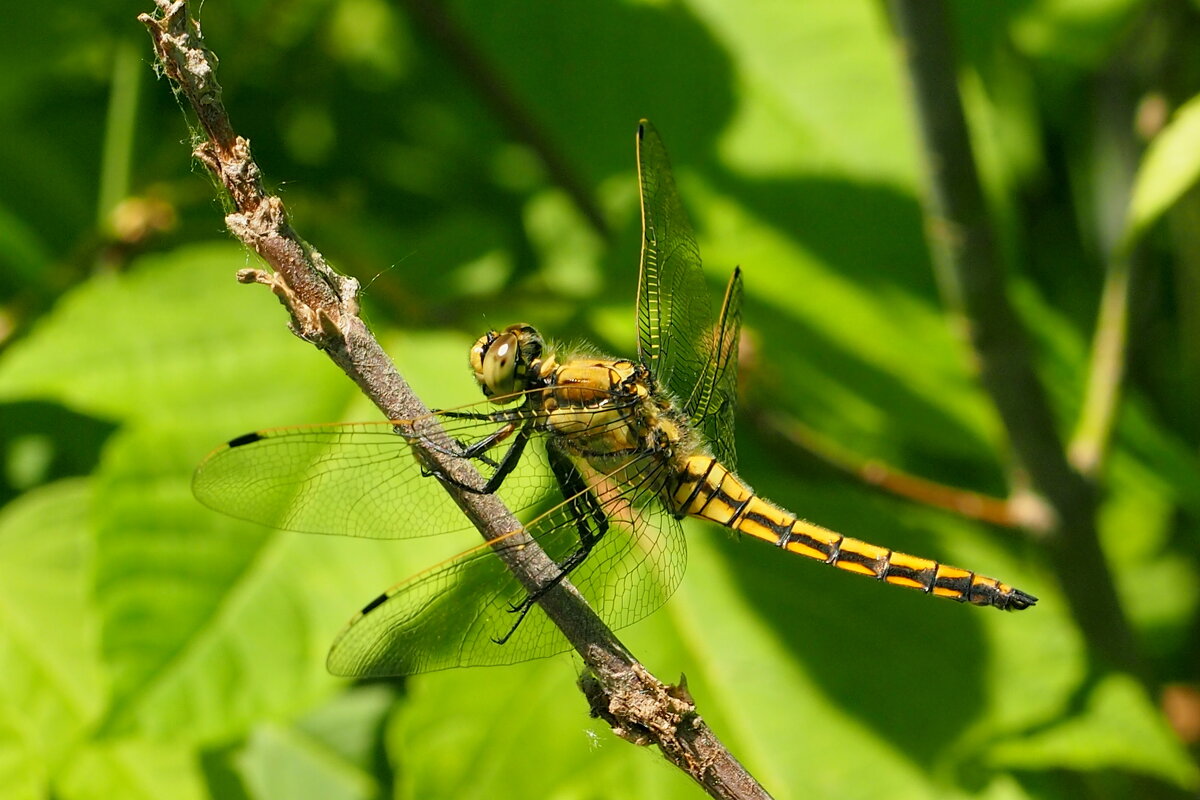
<point x="709" y="491"/>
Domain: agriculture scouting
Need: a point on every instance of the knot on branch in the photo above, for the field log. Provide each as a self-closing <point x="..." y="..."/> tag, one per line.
<point x="316" y="296"/>
<point x="644" y="710"/>
<point x="181" y="50"/>
<point x="259" y="223"/>
<point x="230" y="162"/>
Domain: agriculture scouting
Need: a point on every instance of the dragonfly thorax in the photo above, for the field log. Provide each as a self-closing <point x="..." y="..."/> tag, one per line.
<point x="507" y="363"/>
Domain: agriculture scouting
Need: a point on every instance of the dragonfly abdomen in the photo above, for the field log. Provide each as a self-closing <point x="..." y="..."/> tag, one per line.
<point x="710" y="491"/>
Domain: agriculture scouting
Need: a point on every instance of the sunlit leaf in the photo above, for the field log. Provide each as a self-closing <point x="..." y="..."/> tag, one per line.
<point x="144" y="345"/>
<point x="1170" y="167"/>
<point x="134" y="769"/>
<point x="53" y="687"/>
<point x="278" y="762"/>
<point x="1118" y="727"/>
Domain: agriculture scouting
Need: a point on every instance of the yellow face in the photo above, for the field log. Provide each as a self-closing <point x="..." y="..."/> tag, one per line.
<point x="503" y="362"/>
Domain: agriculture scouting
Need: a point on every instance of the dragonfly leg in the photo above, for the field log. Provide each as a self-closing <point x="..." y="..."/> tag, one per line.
<point x="477" y="449"/>
<point x="509" y="460"/>
<point x="503" y="467"/>
<point x="590" y="521"/>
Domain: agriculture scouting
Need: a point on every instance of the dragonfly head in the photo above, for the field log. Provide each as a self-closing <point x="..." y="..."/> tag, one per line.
<point x="507" y="362"/>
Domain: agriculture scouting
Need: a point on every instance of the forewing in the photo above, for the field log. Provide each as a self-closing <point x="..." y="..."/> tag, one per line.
<point x="361" y="479"/>
<point x="453" y="614"/>
<point x="674" y="317"/>
<point x="693" y="358"/>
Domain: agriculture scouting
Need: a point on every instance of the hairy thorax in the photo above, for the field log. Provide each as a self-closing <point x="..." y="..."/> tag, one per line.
<point x="608" y="412"/>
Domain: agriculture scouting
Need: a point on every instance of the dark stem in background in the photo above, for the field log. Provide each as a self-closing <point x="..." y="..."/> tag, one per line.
<point x="437" y="20"/>
<point x="324" y="311"/>
<point x="971" y="278"/>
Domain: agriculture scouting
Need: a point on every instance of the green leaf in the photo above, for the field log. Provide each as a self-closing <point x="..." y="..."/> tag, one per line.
<point x="790" y="662"/>
<point x="351" y="725"/>
<point x="463" y="733"/>
<point x="1170" y="167"/>
<point x="133" y="770"/>
<point x="251" y="612"/>
<point x="208" y="624"/>
<point x="852" y="123"/>
<point x="24" y="255"/>
<point x="882" y="374"/>
<point x="1117" y="728"/>
<point x="280" y="762"/>
<point x="1078" y="32"/>
<point x="146" y="345"/>
<point x="332" y="752"/>
<point x="783" y="648"/>
<point x="53" y="687"/>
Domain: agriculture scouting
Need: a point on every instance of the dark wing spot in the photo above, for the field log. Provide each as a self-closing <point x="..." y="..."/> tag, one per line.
<point x="246" y="438"/>
<point x="376" y="603"/>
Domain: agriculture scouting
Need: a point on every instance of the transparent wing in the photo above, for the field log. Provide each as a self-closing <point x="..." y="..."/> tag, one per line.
<point x="364" y="479"/>
<point x="689" y="355"/>
<point x="715" y="399"/>
<point x="674" y="317"/>
<point x="453" y="614"/>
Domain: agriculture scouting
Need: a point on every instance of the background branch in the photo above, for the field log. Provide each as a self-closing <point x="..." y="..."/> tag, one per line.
<point x="792" y="433"/>
<point x="324" y="310"/>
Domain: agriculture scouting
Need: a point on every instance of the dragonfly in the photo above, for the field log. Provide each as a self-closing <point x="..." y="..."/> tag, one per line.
<point x="601" y="458"/>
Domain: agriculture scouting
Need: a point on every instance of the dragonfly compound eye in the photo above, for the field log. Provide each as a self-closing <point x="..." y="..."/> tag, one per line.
<point x="478" y="351"/>
<point x="502" y="361"/>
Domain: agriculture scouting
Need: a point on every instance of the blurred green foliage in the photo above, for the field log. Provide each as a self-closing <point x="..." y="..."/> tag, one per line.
<point x="473" y="164"/>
